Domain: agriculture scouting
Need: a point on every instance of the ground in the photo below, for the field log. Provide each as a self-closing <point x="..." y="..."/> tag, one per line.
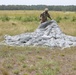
<point x="37" y="61"/>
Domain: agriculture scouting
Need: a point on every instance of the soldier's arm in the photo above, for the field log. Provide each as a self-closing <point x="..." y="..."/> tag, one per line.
<point x="40" y="16"/>
<point x="49" y="16"/>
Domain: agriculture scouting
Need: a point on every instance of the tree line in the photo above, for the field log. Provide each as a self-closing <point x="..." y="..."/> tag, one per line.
<point x="38" y="7"/>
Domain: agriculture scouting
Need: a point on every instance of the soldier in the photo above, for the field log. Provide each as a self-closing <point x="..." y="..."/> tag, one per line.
<point x="44" y="15"/>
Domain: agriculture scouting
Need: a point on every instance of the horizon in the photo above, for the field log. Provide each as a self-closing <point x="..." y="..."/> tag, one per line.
<point x="38" y="5"/>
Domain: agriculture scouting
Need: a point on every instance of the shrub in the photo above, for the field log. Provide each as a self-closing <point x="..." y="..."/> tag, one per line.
<point x="73" y="18"/>
<point x="29" y="19"/>
<point x="66" y="17"/>
<point x="16" y="72"/>
<point x="5" y="18"/>
<point x="58" y="19"/>
<point x="24" y="65"/>
<point x="36" y="19"/>
<point x="18" y="18"/>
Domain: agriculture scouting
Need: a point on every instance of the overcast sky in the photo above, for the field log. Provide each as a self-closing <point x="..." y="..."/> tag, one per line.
<point x="37" y="2"/>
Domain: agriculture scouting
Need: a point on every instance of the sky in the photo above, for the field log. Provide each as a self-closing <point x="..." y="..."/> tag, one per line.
<point x="37" y="2"/>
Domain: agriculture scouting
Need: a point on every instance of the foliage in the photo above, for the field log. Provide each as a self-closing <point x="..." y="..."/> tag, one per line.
<point x="66" y="17"/>
<point x="38" y="7"/>
<point x="58" y="19"/>
<point x="73" y="18"/>
<point x="5" y="18"/>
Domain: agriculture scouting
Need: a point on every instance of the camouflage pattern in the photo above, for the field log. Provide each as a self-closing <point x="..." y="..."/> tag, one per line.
<point x="43" y="16"/>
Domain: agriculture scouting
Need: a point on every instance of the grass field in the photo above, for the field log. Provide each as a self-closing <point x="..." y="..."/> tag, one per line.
<point x="36" y="60"/>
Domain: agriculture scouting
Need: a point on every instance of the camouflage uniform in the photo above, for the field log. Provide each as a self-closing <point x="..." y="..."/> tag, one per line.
<point x="43" y="16"/>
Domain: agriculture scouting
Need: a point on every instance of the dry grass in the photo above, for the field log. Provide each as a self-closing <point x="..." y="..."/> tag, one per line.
<point x="36" y="60"/>
<point x="3" y="71"/>
<point x="68" y="28"/>
<point x="16" y="27"/>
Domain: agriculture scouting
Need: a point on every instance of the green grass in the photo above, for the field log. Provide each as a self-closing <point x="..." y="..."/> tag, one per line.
<point x="36" y="60"/>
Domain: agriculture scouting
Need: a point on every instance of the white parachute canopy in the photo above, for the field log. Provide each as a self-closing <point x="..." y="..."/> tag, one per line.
<point x="47" y="34"/>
